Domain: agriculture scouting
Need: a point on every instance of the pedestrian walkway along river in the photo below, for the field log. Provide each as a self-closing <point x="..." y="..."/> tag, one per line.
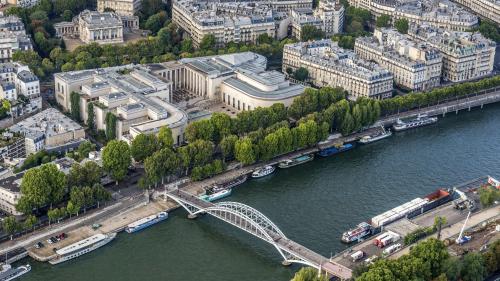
<point x="312" y="203"/>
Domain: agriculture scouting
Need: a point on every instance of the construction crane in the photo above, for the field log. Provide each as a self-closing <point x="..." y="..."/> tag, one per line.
<point x="461" y="238"/>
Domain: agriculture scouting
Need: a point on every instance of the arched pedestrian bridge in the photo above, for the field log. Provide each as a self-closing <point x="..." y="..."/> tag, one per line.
<point x="254" y="222"/>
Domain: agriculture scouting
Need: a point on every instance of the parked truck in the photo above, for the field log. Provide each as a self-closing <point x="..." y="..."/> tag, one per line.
<point x="379" y="238"/>
<point x="390" y="238"/>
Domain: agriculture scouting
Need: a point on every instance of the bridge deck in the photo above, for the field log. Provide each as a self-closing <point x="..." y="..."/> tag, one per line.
<point x="283" y="243"/>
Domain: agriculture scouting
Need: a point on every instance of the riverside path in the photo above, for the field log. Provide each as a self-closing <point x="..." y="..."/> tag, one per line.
<point x="254" y="222"/>
<point x="474" y="100"/>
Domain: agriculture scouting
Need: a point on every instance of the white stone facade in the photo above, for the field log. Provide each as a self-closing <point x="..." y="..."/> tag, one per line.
<point x="328" y="17"/>
<point x="12" y="37"/>
<point x="246" y="21"/>
<point x="415" y="66"/>
<point x="489" y="9"/>
<point x="122" y="7"/>
<point x="466" y="55"/>
<point x="102" y="28"/>
<point x="329" y="65"/>
<point x="439" y="13"/>
<point x="139" y="99"/>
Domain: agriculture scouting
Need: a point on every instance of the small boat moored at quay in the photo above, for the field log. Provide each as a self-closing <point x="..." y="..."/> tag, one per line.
<point x="82" y="247"/>
<point x="146" y="222"/>
<point x="8" y="273"/>
<point x="421" y="120"/>
<point x="290" y="162"/>
<point x="230" y="184"/>
<point x="262" y="172"/>
<point x="373" y="138"/>
<point x="216" y="195"/>
<point x="361" y="230"/>
<point x="335" y="150"/>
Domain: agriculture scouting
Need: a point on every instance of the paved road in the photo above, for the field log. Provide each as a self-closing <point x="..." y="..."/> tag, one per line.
<point x="68" y="225"/>
<point x="454" y="229"/>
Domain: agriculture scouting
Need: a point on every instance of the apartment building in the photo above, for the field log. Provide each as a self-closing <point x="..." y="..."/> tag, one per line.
<point x="17" y="80"/>
<point x="21" y="3"/>
<point x="49" y="130"/>
<point x="414" y="65"/>
<point x="489" y="9"/>
<point x="439" y="13"/>
<point x="466" y="55"/>
<point x="246" y="21"/>
<point x="328" y="17"/>
<point x="12" y="37"/>
<point x="121" y="7"/>
<point x="330" y="65"/>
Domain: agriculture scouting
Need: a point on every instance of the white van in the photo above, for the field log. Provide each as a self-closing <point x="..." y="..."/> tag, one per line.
<point x="357" y="256"/>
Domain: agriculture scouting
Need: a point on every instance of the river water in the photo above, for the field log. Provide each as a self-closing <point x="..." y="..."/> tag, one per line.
<point x="312" y="204"/>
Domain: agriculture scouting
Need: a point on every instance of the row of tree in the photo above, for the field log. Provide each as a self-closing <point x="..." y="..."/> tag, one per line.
<point x="436" y="96"/>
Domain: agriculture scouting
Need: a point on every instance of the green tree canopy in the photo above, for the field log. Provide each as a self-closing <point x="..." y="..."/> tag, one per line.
<point x="116" y="159"/>
<point x="243" y="151"/>
<point x="401" y="25"/>
<point x="208" y="42"/>
<point x="310" y="32"/>
<point x="143" y="146"/>
<point x="87" y="174"/>
<point x="383" y="21"/>
<point x="301" y="74"/>
<point x="165" y="138"/>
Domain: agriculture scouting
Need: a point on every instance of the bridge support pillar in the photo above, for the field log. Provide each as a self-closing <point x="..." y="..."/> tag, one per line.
<point x="192" y="217"/>
<point x="469" y="108"/>
<point x="481" y="106"/>
<point x="286" y="263"/>
<point x="456" y="112"/>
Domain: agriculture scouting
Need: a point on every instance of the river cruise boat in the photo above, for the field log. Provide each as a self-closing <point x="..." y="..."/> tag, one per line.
<point x="421" y="120"/>
<point x="262" y="172"/>
<point x="82" y="247"/>
<point x="290" y="162"/>
<point x="335" y="150"/>
<point x="352" y="235"/>
<point x="230" y="184"/>
<point x="146" y="222"/>
<point x="9" y="273"/>
<point x="210" y="197"/>
<point x="373" y="138"/>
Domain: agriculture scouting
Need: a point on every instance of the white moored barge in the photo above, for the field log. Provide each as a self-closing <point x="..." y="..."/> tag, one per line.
<point x="82" y="247"/>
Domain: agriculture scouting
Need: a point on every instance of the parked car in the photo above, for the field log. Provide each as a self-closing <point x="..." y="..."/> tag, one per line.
<point x="39" y="245"/>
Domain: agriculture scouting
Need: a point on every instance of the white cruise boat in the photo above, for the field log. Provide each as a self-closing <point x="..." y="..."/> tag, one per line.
<point x="373" y="138"/>
<point x="421" y="120"/>
<point x="82" y="247"/>
<point x="262" y="172"/>
<point x="146" y="222"/>
<point x="8" y="273"/>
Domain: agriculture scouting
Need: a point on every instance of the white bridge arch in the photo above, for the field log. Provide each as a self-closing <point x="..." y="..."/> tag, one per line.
<point x="257" y="224"/>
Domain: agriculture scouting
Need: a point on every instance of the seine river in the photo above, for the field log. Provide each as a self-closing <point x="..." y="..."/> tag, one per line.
<point x="312" y="204"/>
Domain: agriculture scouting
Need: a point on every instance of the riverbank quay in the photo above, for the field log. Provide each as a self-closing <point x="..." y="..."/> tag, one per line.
<point x="235" y="170"/>
<point x="454" y="222"/>
<point x="95" y="215"/>
<point x="478" y="99"/>
<point x="116" y="222"/>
